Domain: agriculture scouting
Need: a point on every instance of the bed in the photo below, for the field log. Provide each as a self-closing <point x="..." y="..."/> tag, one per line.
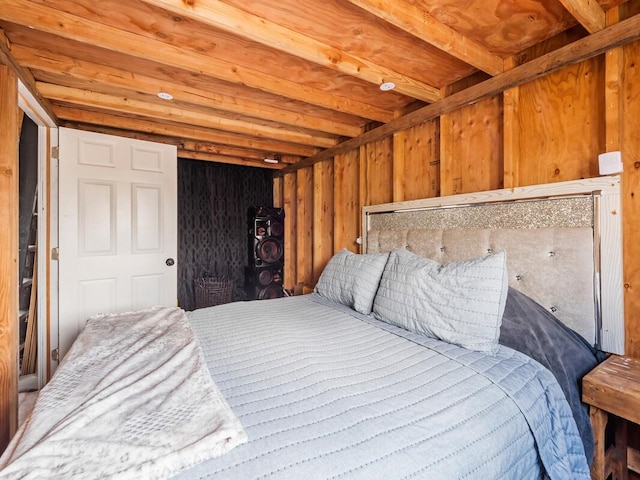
<point x="354" y="381"/>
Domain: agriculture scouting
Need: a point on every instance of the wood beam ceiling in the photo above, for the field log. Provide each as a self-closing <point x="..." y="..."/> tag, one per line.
<point x="420" y="24"/>
<point x="105" y="75"/>
<point x="94" y="66"/>
<point x="595" y="44"/>
<point x="104" y="36"/>
<point x="134" y="123"/>
<point x="225" y="17"/>
<point x="587" y="12"/>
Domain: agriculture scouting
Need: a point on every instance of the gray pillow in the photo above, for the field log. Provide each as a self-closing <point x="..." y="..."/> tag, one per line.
<point x="352" y="279"/>
<point x="461" y="303"/>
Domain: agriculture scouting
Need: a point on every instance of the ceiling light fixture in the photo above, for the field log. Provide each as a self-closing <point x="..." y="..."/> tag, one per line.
<point x="165" y="95"/>
<point x="386" y="86"/>
<point x="275" y="158"/>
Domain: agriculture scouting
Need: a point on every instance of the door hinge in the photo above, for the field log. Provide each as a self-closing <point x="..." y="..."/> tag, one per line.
<point x="55" y="355"/>
<point x="55" y="151"/>
<point x="55" y="253"/>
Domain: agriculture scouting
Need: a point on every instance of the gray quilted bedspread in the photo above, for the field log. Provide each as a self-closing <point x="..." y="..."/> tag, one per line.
<point x="326" y="393"/>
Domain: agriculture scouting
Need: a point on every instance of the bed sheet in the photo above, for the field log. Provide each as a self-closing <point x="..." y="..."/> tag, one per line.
<point x="325" y="393"/>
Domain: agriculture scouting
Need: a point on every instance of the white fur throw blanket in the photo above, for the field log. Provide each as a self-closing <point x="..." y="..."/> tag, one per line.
<point x="132" y="399"/>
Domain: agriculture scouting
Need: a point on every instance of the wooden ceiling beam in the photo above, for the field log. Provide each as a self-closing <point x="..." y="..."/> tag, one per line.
<point x="168" y="112"/>
<point x="99" y="35"/>
<point x="97" y="74"/>
<point x="587" y="12"/>
<point x="424" y="26"/>
<point x="225" y="150"/>
<point x="195" y="149"/>
<point x="7" y="58"/>
<point x="168" y="129"/>
<point x="595" y="44"/>
<point x="238" y="22"/>
<point x="212" y="157"/>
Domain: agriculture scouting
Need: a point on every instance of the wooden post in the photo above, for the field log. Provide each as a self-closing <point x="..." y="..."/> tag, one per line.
<point x="323" y="216"/>
<point x="8" y="255"/>
<point x="304" y="226"/>
<point x="289" y="202"/>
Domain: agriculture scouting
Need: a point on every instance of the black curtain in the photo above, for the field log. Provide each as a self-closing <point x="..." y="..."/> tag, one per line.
<point x="213" y="200"/>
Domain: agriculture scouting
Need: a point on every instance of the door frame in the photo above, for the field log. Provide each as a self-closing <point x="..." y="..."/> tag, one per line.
<point x="47" y="304"/>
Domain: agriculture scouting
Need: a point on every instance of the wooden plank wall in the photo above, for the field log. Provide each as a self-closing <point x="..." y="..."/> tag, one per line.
<point x="548" y="130"/>
<point x="627" y="61"/>
<point x="8" y="254"/>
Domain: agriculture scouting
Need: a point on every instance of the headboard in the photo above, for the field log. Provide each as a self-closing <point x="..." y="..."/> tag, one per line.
<point x="563" y="244"/>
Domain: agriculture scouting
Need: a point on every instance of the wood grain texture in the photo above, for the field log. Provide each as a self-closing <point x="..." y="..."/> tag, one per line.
<point x="138" y="39"/>
<point x="97" y="119"/>
<point x="379" y="171"/>
<point x="511" y="136"/>
<point x="347" y="207"/>
<point x="614" y="386"/>
<point x="278" y="192"/>
<point x="418" y="22"/>
<point x="55" y="67"/>
<point x="290" y="204"/>
<point x="323" y="211"/>
<point x="258" y="29"/>
<point x="8" y="255"/>
<point x="614" y="70"/>
<point x="631" y="196"/>
<point x="562" y="130"/>
<point x="71" y="65"/>
<point x="587" y="12"/>
<point x="152" y="108"/>
<point x="472" y="145"/>
<point x="355" y="31"/>
<point x="304" y="226"/>
<point x="622" y="33"/>
<point x="485" y="19"/>
<point x="421" y="169"/>
<point x="25" y="76"/>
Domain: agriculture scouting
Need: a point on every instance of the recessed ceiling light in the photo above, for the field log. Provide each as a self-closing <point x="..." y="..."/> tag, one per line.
<point x="386" y="86"/>
<point x="165" y="96"/>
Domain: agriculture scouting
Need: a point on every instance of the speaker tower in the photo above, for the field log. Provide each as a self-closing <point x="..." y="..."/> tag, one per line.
<point x="264" y="276"/>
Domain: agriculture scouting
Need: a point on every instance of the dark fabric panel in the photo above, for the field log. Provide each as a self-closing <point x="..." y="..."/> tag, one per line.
<point x="213" y="200"/>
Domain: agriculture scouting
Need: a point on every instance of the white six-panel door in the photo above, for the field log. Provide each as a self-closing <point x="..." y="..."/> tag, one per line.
<point x="118" y="227"/>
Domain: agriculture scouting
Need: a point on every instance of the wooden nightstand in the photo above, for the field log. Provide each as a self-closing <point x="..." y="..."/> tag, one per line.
<point x="612" y="390"/>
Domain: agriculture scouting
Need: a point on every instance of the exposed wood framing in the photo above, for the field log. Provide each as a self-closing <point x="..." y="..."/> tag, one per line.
<point x="77" y="117"/>
<point x="239" y="22"/>
<point x="511" y="133"/>
<point x="290" y="204"/>
<point x="410" y="18"/>
<point x="8" y="254"/>
<point x="75" y="70"/>
<point x="346" y="200"/>
<point x="7" y="58"/>
<point x="72" y="27"/>
<point x="323" y="211"/>
<point x="176" y="114"/>
<point x="616" y="35"/>
<point x="304" y="227"/>
<point x="614" y="65"/>
<point x="587" y="12"/>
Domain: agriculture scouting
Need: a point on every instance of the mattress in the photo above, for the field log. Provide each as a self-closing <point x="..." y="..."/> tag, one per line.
<point x="325" y="393"/>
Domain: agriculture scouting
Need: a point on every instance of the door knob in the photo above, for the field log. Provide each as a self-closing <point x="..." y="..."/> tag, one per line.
<point x="170" y="262"/>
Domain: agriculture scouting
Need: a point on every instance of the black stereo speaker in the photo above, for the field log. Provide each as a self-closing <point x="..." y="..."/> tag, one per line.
<point x="262" y="283"/>
<point x="264" y="275"/>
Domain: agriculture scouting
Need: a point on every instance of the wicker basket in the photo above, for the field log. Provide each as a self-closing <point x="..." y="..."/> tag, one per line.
<point x="210" y="291"/>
